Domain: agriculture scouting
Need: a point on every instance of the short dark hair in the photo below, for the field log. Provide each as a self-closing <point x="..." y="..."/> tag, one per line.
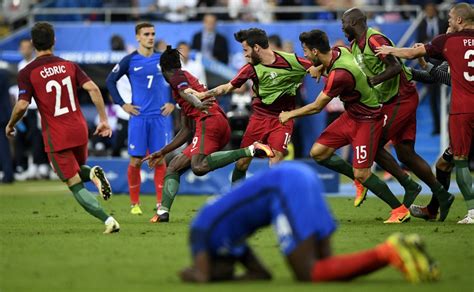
<point x="275" y="39"/>
<point x="316" y="39"/>
<point x="42" y="36"/>
<point x="181" y="43"/>
<point x="253" y="36"/>
<point x="142" y="25"/>
<point x="170" y="59"/>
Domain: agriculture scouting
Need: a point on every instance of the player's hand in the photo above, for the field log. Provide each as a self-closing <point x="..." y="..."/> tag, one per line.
<point x="103" y="129"/>
<point x="10" y="131"/>
<point x="284" y="117"/>
<point x="192" y="275"/>
<point x="154" y="159"/>
<point x="200" y="95"/>
<point x="316" y="72"/>
<point x="167" y="109"/>
<point x="191" y="91"/>
<point x="383" y="50"/>
<point x="206" y="104"/>
<point x="131" y="109"/>
<point x="423" y="63"/>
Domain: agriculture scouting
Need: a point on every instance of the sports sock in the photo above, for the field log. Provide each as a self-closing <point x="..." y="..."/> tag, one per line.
<point x="222" y="158"/>
<point x="411" y="190"/>
<point x="134" y="181"/>
<point x="238" y="174"/>
<point x="339" y="165"/>
<point x="160" y="171"/>
<point x="85" y="173"/>
<point x="346" y="267"/>
<point x="381" y="190"/>
<point x="170" y="189"/>
<point x="88" y="201"/>
<point x="464" y="180"/>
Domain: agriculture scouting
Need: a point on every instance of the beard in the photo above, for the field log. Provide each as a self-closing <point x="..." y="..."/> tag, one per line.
<point x="254" y="58"/>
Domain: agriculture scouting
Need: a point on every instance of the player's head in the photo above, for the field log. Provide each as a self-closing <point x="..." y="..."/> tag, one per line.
<point x="184" y="49"/>
<point x="210" y="21"/>
<point x="42" y="36"/>
<point x="145" y="34"/>
<point x="253" y="41"/>
<point x="314" y="43"/>
<point x="170" y="60"/>
<point x="461" y="16"/>
<point x="275" y="42"/>
<point x="352" y="20"/>
<point x="26" y="48"/>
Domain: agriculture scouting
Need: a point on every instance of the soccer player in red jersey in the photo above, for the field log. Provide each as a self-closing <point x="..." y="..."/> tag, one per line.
<point x="276" y="77"/>
<point x="400" y="100"/>
<point x="212" y="133"/>
<point x="458" y="49"/>
<point x="53" y="83"/>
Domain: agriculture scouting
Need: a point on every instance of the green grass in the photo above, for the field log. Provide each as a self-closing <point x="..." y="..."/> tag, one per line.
<point x="48" y="243"/>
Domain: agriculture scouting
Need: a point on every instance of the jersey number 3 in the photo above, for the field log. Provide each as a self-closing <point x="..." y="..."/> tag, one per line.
<point x="58" y="110"/>
<point x="470" y="64"/>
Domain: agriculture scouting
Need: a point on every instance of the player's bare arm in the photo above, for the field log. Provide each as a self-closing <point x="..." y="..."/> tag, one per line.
<point x="317" y="72"/>
<point x="405" y="53"/>
<point x="218" y="91"/>
<point x="254" y="268"/>
<point x="18" y="112"/>
<point x="312" y="108"/>
<point x="181" y="137"/>
<point x="393" y="68"/>
<point x="167" y="109"/>
<point x="195" y="101"/>
<point x="103" y="128"/>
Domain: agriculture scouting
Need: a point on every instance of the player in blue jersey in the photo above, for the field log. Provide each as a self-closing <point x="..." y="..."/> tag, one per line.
<point x="289" y="197"/>
<point x="149" y="127"/>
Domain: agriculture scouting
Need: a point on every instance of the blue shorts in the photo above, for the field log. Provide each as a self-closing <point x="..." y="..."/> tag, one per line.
<point x="288" y="196"/>
<point x="148" y="133"/>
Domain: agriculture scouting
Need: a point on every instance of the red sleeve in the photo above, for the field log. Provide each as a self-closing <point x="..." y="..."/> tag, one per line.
<point x="81" y="76"/>
<point x="24" y="86"/>
<point x="435" y="48"/>
<point x="305" y="62"/>
<point x="338" y="81"/>
<point x="246" y="72"/>
<point x="378" y="40"/>
<point x="179" y="81"/>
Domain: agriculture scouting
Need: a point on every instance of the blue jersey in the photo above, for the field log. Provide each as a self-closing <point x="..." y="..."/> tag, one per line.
<point x="287" y="196"/>
<point x="149" y="88"/>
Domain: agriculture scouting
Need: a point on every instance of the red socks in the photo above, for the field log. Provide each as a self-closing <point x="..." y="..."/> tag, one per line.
<point x="346" y="267"/>
<point x="160" y="171"/>
<point x="134" y="181"/>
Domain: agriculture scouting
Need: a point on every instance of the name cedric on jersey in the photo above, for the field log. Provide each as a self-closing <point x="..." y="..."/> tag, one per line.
<point x="50" y="71"/>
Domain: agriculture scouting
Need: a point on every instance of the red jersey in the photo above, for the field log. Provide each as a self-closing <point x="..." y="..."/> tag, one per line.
<point x="283" y="103"/>
<point x="458" y="49"/>
<point x="53" y="83"/>
<point x="182" y="80"/>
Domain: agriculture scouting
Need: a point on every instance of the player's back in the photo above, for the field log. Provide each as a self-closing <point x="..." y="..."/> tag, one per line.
<point x="53" y="83"/>
<point x="459" y="52"/>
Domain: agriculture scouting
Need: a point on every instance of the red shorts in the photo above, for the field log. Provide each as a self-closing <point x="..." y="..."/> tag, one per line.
<point x="211" y="135"/>
<point x="67" y="163"/>
<point x="400" y="119"/>
<point x="363" y="136"/>
<point x="268" y="130"/>
<point x="460" y="133"/>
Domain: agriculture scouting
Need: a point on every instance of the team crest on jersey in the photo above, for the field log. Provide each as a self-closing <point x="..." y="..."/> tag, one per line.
<point x="116" y="68"/>
<point x="273" y="75"/>
<point x="158" y="66"/>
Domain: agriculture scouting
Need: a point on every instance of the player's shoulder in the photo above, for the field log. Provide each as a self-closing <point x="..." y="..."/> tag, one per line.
<point x="41" y="61"/>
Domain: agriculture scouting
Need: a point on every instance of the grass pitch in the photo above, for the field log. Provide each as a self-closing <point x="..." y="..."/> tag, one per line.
<point x="48" y="243"/>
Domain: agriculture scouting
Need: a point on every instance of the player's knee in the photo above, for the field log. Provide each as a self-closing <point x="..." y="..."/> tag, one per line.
<point x="242" y="164"/>
<point x="317" y="155"/>
<point x="199" y="169"/>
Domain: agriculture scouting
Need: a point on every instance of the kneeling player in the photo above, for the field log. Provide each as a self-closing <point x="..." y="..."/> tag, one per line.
<point x="289" y="196"/>
<point x="212" y="133"/>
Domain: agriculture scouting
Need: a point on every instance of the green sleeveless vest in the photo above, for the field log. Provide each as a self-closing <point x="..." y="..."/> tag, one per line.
<point x="371" y="65"/>
<point x="369" y="96"/>
<point x="275" y="82"/>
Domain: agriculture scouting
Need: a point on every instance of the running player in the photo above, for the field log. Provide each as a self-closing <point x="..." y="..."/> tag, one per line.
<point x="289" y="197"/>
<point x="52" y="82"/>
<point x="458" y="49"/>
<point x="149" y="128"/>
<point x="400" y="100"/>
<point x="212" y="133"/>
<point x="276" y="77"/>
<point x="360" y="125"/>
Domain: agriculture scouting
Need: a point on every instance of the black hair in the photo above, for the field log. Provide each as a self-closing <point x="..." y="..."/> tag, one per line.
<point x="42" y="36"/>
<point x="316" y="39"/>
<point x="253" y="36"/>
<point x="117" y="43"/>
<point x="276" y="40"/>
<point x="170" y="59"/>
